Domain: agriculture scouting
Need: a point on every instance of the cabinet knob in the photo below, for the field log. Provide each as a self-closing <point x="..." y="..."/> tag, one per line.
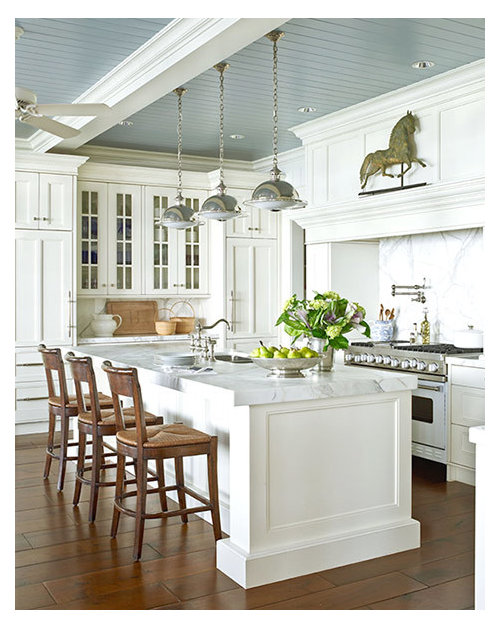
<point x="250" y="229"/>
<point x="35" y="218"/>
<point x="45" y="218"/>
<point x="103" y="284"/>
<point x="111" y="284"/>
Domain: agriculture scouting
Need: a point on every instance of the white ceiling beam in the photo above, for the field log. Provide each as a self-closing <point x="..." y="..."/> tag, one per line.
<point x="178" y="53"/>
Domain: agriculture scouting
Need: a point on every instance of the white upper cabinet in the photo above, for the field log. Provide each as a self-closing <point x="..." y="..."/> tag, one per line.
<point x="257" y="224"/>
<point x="44" y="299"/>
<point x="124" y="239"/>
<point x="44" y="201"/>
<point x="92" y="238"/>
<point x="175" y="260"/>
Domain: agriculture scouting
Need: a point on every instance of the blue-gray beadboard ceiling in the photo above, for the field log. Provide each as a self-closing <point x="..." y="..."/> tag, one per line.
<point x="328" y="64"/>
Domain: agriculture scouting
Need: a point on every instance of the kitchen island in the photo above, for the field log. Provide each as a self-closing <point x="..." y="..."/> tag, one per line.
<point x="314" y="472"/>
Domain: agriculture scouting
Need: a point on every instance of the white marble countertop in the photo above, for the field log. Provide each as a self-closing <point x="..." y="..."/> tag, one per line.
<point x="143" y="338"/>
<point x="247" y="384"/>
<point x="477" y="361"/>
<point x="477" y="434"/>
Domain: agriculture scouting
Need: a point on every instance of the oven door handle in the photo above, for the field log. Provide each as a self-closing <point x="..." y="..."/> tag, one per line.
<point x="429" y="388"/>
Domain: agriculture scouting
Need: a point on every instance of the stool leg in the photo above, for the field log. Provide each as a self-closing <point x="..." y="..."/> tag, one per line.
<point x="96" y="475"/>
<point x="63" y="450"/>
<point x="213" y="487"/>
<point x="50" y="443"/>
<point x="179" y="480"/>
<point x="120" y="476"/>
<point x="160" y="472"/>
<point x="82" y="443"/>
<point x="142" y="470"/>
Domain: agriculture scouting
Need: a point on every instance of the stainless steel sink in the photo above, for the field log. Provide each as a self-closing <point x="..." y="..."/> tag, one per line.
<point x="233" y="358"/>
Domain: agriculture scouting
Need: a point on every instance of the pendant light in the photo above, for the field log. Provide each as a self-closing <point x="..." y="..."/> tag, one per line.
<point x="275" y="194"/>
<point x="179" y="215"/>
<point x="220" y="206"/>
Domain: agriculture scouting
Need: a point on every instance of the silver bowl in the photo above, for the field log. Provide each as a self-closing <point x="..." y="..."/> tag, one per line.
<point x="287" y="367"/>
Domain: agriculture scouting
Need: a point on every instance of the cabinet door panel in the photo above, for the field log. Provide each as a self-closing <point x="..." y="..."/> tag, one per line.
<point x="56" y="310"/>
<point x="467" y="406"/>
<point x="192" y="248"/>
<point x="251" y="284"/>
<point x="56" y="202"/>
<point x="26" y="194"/>
<point x="124" y="229"/>
<point x="28" y="287"/>
<point x="265" y="224"/>
<point x="92" y="234"/>
<point x="160" y="244"/>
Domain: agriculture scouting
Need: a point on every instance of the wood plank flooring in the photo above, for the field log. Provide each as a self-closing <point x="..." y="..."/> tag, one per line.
<point x="62" y="562"/>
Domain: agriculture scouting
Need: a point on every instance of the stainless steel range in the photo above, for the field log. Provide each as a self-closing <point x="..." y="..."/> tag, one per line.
<point x="430" y="399"/>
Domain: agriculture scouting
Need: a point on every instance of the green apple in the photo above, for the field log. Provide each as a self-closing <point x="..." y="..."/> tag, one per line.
<point x="278" y="354"/>
<point x="294" y="353"/>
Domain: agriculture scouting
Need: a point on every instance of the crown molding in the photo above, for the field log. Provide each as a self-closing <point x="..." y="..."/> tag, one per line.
<point x="179" y="52"/>
<point x="50" y="163"/>
<point x="445" y="87"/>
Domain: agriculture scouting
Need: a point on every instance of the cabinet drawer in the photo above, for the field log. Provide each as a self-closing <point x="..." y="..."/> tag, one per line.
<point x="31" y="401"/>
<point x="29" y="366"/>
<point x="463" y="452"/>
<point x="467" y="406"/>
<point x="467" y="376"/>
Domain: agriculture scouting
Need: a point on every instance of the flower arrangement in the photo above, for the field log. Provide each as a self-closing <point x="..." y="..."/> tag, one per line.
<point x="328" y="316"/>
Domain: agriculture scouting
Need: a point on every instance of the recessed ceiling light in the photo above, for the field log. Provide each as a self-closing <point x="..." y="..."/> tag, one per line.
<point x="126" y="123"/>
<point x="306" y="110"/>
<point x="236" y="136"/>
<point x="422" y="65"/>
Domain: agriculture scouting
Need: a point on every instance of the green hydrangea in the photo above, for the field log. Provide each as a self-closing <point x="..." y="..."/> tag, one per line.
<point x="331" y="295"/>
<point x="317" y="304"/>
<point x="332" y="331"/>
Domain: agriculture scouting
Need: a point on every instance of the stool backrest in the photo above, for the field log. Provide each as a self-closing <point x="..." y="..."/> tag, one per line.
<point x="123" y="381"/>
<point x="52" y="361"/>
<point x="82" y="371"/>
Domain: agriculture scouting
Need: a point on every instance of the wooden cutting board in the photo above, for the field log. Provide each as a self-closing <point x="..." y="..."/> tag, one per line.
<point x="138" y="317"/>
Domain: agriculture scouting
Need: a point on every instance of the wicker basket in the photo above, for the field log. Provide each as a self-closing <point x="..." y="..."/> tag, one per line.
<point x="165" y="328"/>
<point x="185" y="325"/>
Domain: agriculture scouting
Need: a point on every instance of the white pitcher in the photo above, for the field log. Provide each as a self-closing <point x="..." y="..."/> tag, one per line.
<point x="105" y="324"/>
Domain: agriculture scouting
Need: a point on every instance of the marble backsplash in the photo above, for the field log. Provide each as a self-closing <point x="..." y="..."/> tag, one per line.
<point x="453" y="266"/>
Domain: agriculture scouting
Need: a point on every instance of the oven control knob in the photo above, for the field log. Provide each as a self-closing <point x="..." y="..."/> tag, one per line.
<point x="394" y="362"/>
<point x="348" y="358"/>
<point x="363" y="358"/>
<point x="357" y="358"/>
<point x="387" y="360"/>
<point x="433" y="367"/>
<point x="379" y="359"/>
<point x="405" y="364"/>
<point x="421" y="365"/>
<point x="370" y="358"/>
<point x="413" y="363"/>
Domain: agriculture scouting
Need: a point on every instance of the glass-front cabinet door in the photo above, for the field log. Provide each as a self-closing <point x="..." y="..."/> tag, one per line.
<point x="192" y="251"/>
<point x="124" y="239"/>
<point x="92" y="230"/>
<point x="160" y="244"/>
<point x="175" y="260"/>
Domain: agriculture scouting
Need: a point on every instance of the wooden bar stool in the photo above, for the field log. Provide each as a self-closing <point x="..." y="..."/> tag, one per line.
<point x="63" y="405"/>
<point x="99" y="423"/>
<point x="158" y="442"/>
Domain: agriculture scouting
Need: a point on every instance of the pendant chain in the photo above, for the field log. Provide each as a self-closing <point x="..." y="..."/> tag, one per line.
<point x="275" y="105"/>
<point x="180" y="92"/>
<point x="221" y="129"/>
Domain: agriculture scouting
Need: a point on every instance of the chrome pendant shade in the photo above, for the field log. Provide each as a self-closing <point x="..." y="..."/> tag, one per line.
<point x="220" y="206"/>
<point x="179" y="215"/>
<point x="275" y="194"/>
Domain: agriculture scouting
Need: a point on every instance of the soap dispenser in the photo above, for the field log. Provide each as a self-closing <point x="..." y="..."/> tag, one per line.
<point x="425" y="329"/>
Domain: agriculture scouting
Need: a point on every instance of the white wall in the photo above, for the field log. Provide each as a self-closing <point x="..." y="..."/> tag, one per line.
<point x="452" y="263"/>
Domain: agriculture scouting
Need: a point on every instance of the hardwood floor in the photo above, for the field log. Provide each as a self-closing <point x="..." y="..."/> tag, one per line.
<point x="63" y="563"/>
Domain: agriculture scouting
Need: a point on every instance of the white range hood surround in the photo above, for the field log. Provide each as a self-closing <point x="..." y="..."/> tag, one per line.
<point x="450" y="140"/>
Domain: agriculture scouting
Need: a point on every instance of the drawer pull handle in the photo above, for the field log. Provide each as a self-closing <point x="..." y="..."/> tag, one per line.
<point x="31" y="399"/>
<point x="30" y="365"/>
<point x="426" y="386"/>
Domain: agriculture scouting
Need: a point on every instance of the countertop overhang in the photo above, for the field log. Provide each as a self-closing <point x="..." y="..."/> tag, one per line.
<point x="247" y="384"/>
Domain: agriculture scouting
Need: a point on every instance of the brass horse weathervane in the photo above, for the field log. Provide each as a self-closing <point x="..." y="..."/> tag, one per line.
<point x="401" y="150"/>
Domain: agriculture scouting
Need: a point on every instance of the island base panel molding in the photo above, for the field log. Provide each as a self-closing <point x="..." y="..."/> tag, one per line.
<point x="252" y="570"/>
<point x="317" y="484"/>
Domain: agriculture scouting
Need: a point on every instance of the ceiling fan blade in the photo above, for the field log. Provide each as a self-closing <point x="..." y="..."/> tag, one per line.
<point x="73" y="109"/>
<point x="52" y="126"/>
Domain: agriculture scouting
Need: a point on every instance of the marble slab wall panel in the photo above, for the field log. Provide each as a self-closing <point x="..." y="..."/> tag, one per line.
<point x="452" y="263"/>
